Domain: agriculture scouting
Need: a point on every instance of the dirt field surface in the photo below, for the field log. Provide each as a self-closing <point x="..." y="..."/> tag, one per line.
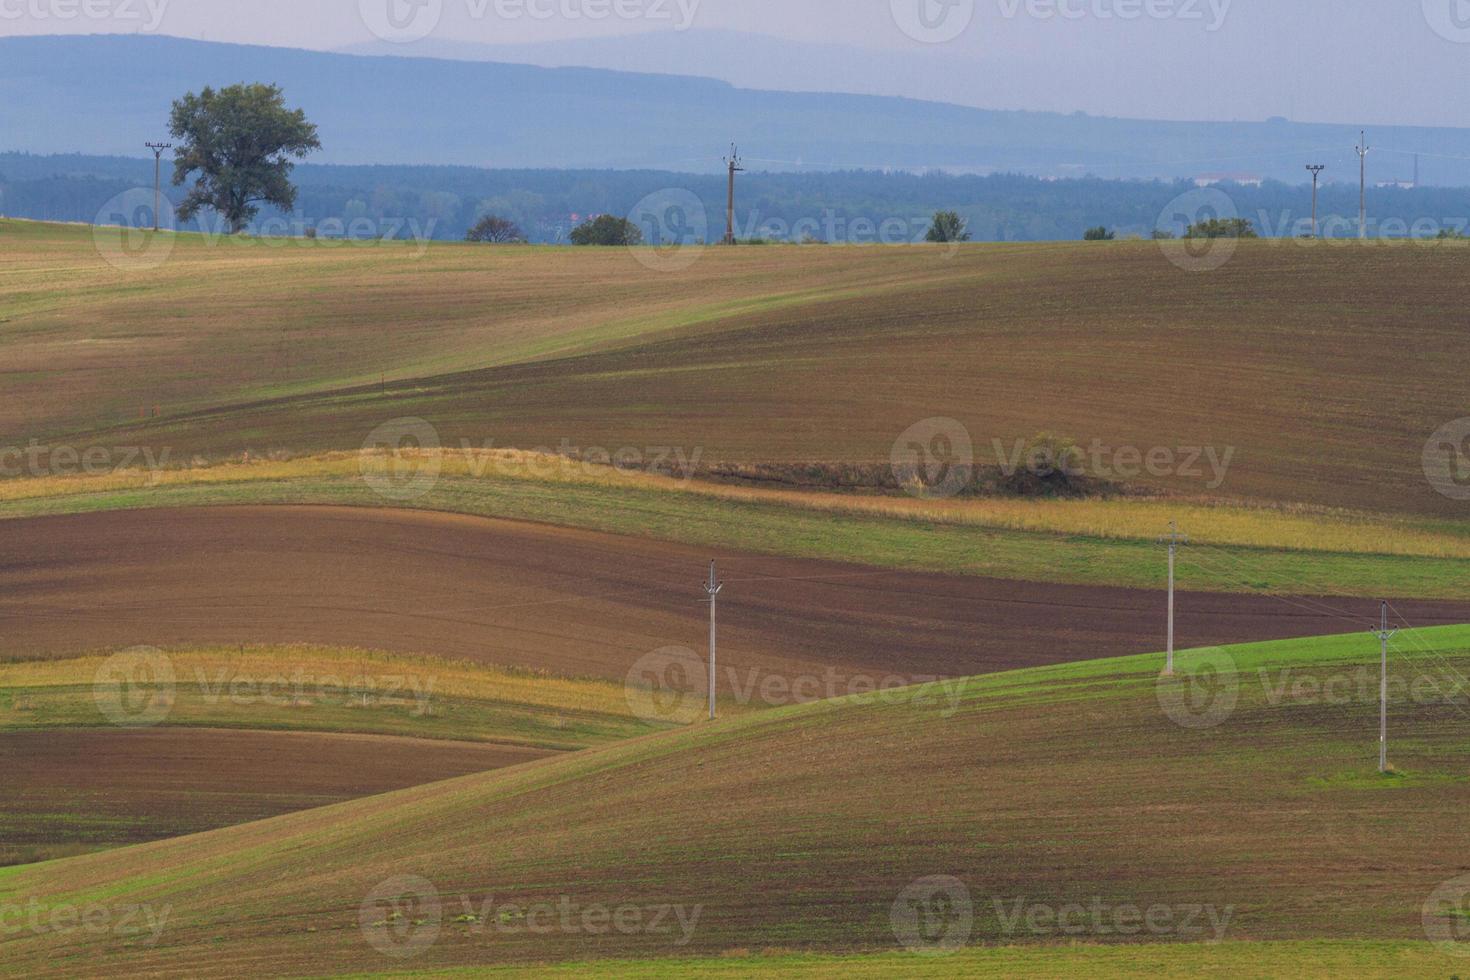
<point x="69" y="790"/>
<point x="571" y="602"/>
<point x="776" y="355"/>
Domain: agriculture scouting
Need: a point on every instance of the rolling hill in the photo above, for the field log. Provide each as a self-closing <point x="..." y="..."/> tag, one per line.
<point x="1300" y="365"/>
<point x="1247" y="810"/>
<point x="105" y="751"/>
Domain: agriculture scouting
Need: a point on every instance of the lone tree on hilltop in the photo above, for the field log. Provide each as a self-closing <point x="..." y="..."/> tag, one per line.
<point x="495" y="230"/>
<point x="607" y="230"/>
<point x="948" y="227"/>
<point x="241" y="141"/>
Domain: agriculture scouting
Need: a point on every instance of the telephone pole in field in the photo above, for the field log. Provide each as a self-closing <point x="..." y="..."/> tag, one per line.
<point x="1363" y="149"/>
<point x="1384" y="635"/>
<point x="158" y="149"/>
<point x="712" y="590"/>
<point x="1316" y="169"/>
<point x="1173" y="539"/>
<point x="732" y="162"/>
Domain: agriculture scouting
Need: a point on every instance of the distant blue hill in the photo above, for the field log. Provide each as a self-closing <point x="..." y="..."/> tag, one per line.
<point x="108" y="94"/>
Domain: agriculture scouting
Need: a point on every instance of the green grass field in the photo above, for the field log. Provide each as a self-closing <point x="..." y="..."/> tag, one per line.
<point x="1237" y="549"/>
<point x="1227" y="961"/>
<point x="1242" y="794"/>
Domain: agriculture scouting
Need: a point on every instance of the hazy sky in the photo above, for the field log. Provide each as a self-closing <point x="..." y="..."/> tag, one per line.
<point x="1401" y="61"/>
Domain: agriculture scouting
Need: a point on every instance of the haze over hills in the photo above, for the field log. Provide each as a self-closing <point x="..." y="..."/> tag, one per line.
<point x="1062" y="66"/>
<point x="112" y="92"/>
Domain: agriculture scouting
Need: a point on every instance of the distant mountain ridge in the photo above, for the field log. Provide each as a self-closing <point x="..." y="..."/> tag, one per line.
<point x="107" y="94"/>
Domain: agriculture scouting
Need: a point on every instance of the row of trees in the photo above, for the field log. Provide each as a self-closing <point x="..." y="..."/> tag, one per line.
<point x="609" y="229"/>
<point x="1209" y="228"/>
<point x="948" y="226"/>
<point x="242" y="142"/>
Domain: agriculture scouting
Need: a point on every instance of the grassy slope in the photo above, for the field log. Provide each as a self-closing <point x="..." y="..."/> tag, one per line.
<point x="1228" y="961"/>
<point x="256" y="688"/>
<point x="1058" y="785"/>
<point x="274" y="689"/>
<point x="755" y="354"/>
<point x="1237" y="549"/>
<point x="88" y="345"/>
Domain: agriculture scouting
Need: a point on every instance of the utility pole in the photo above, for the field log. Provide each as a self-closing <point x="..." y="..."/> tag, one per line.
<point x="1384" y="635"/>
<point x="1363" y="149"/>
<point x="158" y="149"/>
<point x="1316" y="169"/>
<point x="733" y="163"/>
<point x="1173" y="539"/>
<point x="712" y="590"/>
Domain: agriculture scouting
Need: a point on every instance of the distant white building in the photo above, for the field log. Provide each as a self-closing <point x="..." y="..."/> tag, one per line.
<point x="1244" y="180"/>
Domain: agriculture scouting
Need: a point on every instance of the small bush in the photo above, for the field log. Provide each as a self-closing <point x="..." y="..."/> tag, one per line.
<point x="1050" y="466"/>
<point x="607" y="230"/>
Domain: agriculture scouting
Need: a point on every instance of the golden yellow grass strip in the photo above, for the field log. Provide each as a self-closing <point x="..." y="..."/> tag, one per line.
<point x="1281" y="527"/>
<point x="446" y="678"/>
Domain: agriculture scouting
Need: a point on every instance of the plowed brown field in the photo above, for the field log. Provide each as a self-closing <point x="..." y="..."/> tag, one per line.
<point x="68" y="790"/>
<point x="571" y="602"/>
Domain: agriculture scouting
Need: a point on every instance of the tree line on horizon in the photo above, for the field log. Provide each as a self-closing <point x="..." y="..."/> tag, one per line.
<point x="234" y="190"/>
